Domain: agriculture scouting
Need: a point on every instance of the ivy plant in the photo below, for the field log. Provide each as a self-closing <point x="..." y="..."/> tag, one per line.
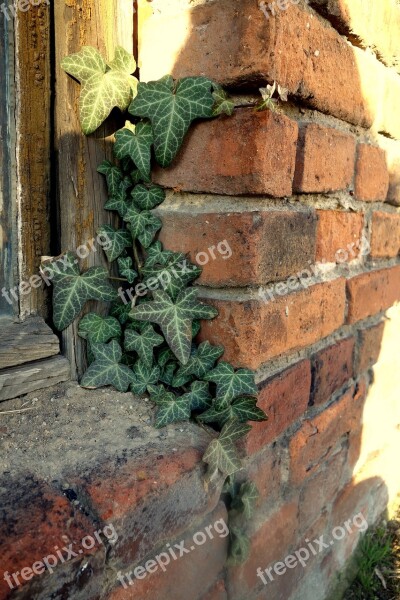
<point x="147" y="343"/>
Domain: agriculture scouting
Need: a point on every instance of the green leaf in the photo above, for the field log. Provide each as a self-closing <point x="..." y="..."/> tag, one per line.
<point x="118" y="200"/>
<point x="247" y="498"/>
<point x="168" y="373"/>
<point x="243" y="409"/>
<point x="114" y="177"/>
<point x="103" y="88"/>
<point x="231" y="384"/>
<point x="146" y="198"/>
<point x="157" y="256"/>
<point x="99" y="330"/>
<point x="144" y="376"/>
<point x="157" y="393"/>
<point x="125" y="269"/>
<point x="233" y="431"/>
<point x="172" y="409"/>
<point x="200" y="362"/>
<point x="135" y="142"/>
<point x="143" y="343"/>
<point x="239" y="549"/>
<point x="199" y="397"/>
<point x="143" y="224"/>
<point x="119" y="240"/>
<point x="171" y="109"/>
<point x="221" y="455"/>
<point x="175" y="276"/>
<point x="121" y="311"/>
<point x="106" y="369"/>
<point x="223" y="104"/>
<point x="175" y="318"/>
<point x="72" y="290"/>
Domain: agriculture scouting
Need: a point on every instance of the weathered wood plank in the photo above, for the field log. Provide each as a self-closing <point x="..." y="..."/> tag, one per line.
<point x="103" y="24"/>
<point x="25" y="342"/>
<point x="41" y="374"/>
<point x="33" y="146"/>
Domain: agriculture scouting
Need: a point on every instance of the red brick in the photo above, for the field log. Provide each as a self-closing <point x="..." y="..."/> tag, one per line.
<point x="325" y="159"/>
<point x="385" y="237"/>
<point x="320" y="437"/>
<point x="339" y="236"/>
<point x="266" y="471"/>
<point x="370" y="342"/>
<point x="248" y="153"/>
<point x="331" y="368"/>
<point x="187" y="576"/>
<point x="217" y="592"/>
<point x="254" y="331"/>
<point x="243" y="47"/>
<point x="372" y="293"/>
<point x="372" y="176"/>
<point x="265" y="244"/>
<point x="284" y="398"/>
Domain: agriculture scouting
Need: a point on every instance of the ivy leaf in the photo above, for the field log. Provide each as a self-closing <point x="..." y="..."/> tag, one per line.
<point x="121" y="311"/>
<point x="99" y="330"/>
<point x="223" y="104"/>
<point x="125" y="269"/>
<point x="221" y="455"/>
<point x="239" y="549"/>
<point x="171" y="107"/>
<point x="103" y="87"/>
<point x="114" y="176"/>
<point x="146" y="198"/>
<point x="119" y="240"/>
<point x="231" y="384"/>
<point x="143" y="376"/>
<point x="135" y="142"/>
<point x="118" y="200"/>
<point x="243" y="409"/>
<point x="168" y="373"/>
<point x="196" y="327"/>
<point x="106" y="369"/>
<point x="172" y="409"/>
<point x="157" y="256"/>
<point x="143" y="343"/>
<point x="175" y="276"/>
<point x="199" y="397"/>
<point x="143" y="224"/>
<point x="72" y="290"/>
<point x="175" y="318"/>
<point x="200" y="362"/>
<point x="247" y="498"/>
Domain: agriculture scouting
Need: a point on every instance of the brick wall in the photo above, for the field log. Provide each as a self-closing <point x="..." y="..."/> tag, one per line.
<point x="294" y="216"/>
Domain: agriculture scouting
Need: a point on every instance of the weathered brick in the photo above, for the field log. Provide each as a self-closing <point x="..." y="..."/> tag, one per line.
<point x="325" y="159"/>
<point x="331" y="368"/>
<point x="371" y="293"/>
<point x="248" y="153"/>
<point x="244" y="47"/>
<point x="321" y="437"/>
<point x="370" y="343"/>
<point x="392" y="149"/>
<point x="284" y="398"/>
<point x="254" y="331"/>
<point x="339" y="236"/>
<point x="266" y="471"/>
<point x="385" y="236"/>
<point x="372" y="176"/>
<point x="188" y="575"/>
<point x="217" y="592"/>
<point x="239" y="248"/>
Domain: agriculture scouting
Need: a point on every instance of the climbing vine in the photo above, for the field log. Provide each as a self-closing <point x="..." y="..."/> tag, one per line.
<point x="146" y="344"/>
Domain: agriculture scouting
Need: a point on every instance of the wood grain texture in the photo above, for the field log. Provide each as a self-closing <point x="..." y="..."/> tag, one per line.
<point x="34" y="376"/>
<point x="103" y="24"/>
<point x="25" y="342"/>
<point x="33" y="138"/>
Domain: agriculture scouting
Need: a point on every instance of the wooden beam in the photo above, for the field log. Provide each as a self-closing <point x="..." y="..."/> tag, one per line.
<point x="25" y="342"/>
<point x="33" y="376"/>
<point x="102" y="24"/>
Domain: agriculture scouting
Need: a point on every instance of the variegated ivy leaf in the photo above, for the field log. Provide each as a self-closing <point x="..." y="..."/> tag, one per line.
<point x="99" y="330"/>
<point x="165" y="355"/>
<point x="114" y="177"/>
<point x="175" y="318"/>
<point x="143" y="225"/>
<point x="118" y="201"/>
<point x="143" y="376"/>
<point x="146" y="198"/>
<point x="196" y="328"/>
<point x="143" y="343"/>
<point x="246" y="499"/>
<point x="200" y="362"/>
<point x="175" y="276"/>
<point x="168" y="373"/>
<point x="199" y="397"/>
<point x="243" y="409"/>
<point x="171" y="107"/>
<point x="121" y="311"/>
<point x="231" y="383"/>
<point x="172" y="409"/>
<point x="157" y="256"/>
<point x="103" y="86"/>
<point x="157" y="393"/>
<point x="223" y="104"/>
<point x="221" y="455"/>
<point x="107" y="368"/>
<point x="135" y="177"/>
<point x="119" y="240"/>
<point x="72" y="290"/>
<point x="135" y="142"/>
<point x="125" y="269"/>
